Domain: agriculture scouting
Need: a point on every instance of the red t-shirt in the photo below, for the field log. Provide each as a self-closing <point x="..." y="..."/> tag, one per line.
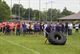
<point x="18" y="26"/>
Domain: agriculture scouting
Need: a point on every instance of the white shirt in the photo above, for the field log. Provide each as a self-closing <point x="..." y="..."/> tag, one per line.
<point x="45" y="26"/>
<point x="77" y="26"/>
<point x="27" y="26"/>
<point x="70" y="26"/>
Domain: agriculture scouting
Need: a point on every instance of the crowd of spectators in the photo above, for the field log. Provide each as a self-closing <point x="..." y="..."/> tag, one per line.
<point x="34" y="27"/>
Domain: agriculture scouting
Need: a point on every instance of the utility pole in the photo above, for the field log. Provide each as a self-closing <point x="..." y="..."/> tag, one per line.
<point x="46" y="10"/>
<point x="11" y="10"/>
<point x="15" y="11"/>
<point x="29" y="12"/>
<point x="51" y="10"/>
<point x="51" y="3"/>
<point x="19" y="9"/>
<point x="39" y="8"/>
<point x="11" y="7"/>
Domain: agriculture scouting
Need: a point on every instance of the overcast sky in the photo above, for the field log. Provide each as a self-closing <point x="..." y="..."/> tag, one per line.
<point x="72" y="5"/>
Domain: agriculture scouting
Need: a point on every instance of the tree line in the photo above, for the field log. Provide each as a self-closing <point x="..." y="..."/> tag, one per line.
<point x="30" y="14"/>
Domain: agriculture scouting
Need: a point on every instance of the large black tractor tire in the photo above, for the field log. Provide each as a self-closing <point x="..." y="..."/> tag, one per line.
<point x="57" y="38"/>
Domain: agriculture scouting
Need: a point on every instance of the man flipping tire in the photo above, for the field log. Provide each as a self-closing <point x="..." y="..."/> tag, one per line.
<point x="56" y="38"/>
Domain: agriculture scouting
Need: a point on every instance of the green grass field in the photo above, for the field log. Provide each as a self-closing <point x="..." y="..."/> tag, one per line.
<point x="34" y="44"/>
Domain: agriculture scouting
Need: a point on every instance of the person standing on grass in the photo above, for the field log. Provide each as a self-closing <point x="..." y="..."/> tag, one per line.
<point x="70" y="27"/>
<point x="63" y="28"/>
<point x="11" y="24"/>
<point x="33" y="28"/>
<point x="48" y="29"/>
<point x="52" y="25"/>
<point x="18" y="28"/>
<point x="45" y="26"/>
<point x="3" y="28"/>
<point x="41" y="27"/>
<point x="27" y="27"/>
<point x="36" y="27"/>
<point x="24" y="28"/>
<point x="58" y="27"/>
<point x="76" y="27"/>
<point x="7" y="29"/>
<point x="30" y="28"/>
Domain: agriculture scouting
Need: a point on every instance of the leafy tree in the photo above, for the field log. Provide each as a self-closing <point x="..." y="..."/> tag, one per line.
<point x="28" y="14"/>
<point x="4" y="11"/>
<point x="18" y="10"/>
<point x="36" y="14"/>
<point x="53" y="14"/>
<point x="66" y="12"/>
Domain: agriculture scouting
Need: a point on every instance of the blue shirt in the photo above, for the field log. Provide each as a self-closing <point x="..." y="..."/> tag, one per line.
<point x="24" y="26"/>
